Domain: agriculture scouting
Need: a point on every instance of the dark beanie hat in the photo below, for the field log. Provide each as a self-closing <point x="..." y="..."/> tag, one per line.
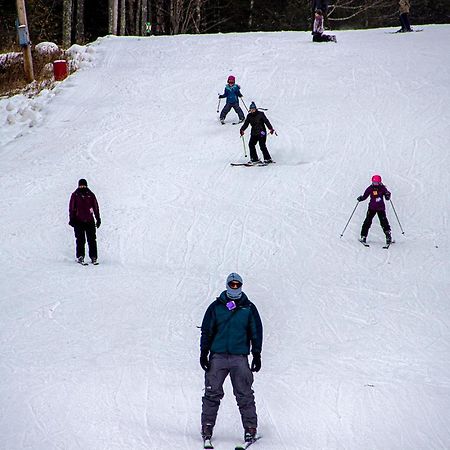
<point x="252" y="106"/>
<point x="82" y="182"/>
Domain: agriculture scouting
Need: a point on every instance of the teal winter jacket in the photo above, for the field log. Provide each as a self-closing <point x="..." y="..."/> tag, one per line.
<point x="232" y="93"/>
<point x="231" y="331"/>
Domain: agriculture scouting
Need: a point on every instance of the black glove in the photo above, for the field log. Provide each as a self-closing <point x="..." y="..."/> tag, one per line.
<point x="256" y="362"/>
<point x="360" y="198"/>
<point x="204" y="361"/>
<point x="99" y="222"/>
<point x="388" y="197"/>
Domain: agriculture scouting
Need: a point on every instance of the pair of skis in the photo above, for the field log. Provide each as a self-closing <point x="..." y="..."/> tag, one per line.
<point x="250" y="164"/>
<point x="207" y="444"/>
<point x="84" y="263"/>
<point x="368" y="245"/>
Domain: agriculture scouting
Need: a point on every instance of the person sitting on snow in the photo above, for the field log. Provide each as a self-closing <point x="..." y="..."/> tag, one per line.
<point x="318" y="34"/>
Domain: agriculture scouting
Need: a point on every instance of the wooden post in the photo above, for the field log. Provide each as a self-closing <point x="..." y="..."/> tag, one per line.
<point x="26" y="49"/>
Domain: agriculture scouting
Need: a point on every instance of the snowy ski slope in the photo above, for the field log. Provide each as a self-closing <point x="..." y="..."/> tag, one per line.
<point x="356" y="352"/>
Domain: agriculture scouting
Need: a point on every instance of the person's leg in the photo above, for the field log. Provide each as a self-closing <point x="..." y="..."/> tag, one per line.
<point x="214" y="380"/>
<point x="239" y="112"/>
<point x="385" y="225"/>
<point x="367" y="222"/>
<point x="402" y="22"/>
<point x="242" y="380"/>
<point x="80" y="237"/>
<point x="91" y="240"/>
<point x="252" y="146"/>
<point x="406" y="21"/>
<point x="263" y="147"/>
<point x="225" y="111"/>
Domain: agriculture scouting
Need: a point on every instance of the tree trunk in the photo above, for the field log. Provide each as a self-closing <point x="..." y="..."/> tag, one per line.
<point x="138" y="18"/>
<point x="144" y="16"/>
<point x="123" y="17"/>
<point x="67" y="23"/>
<point x="112" y="16"/>
<point x="250" y="17"/>
<point x="79" y="30"/>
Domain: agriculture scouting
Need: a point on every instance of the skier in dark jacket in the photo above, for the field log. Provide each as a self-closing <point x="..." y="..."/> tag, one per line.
<point x="83" y="208"/>
<point x="230" y="326"/>
<point x="377" y="192"/>
<point x="232" y="93"/>
<point x="258" y="121"/>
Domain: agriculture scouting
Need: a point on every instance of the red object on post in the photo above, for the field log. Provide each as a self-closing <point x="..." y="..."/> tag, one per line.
<point x="60" y="70"/>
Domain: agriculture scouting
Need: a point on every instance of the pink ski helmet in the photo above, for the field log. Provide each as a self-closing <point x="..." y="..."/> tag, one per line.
<point x="376" y="179"/>
<point x="231" y="79"/>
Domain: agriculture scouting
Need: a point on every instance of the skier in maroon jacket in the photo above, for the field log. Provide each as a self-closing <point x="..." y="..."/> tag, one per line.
<point x="377" y="192"/>
<point x="83" y="209"/>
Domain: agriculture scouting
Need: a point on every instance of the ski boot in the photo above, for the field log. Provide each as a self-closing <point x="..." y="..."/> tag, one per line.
<point x="80" y="260"/>
<point x="207" y="431"/>
<point x="388" y="238"/>
<point x="94" y="261"/>
<point x="268" y="161"/>
<point x="249" y="434"/>
<point x="254" y="162"/>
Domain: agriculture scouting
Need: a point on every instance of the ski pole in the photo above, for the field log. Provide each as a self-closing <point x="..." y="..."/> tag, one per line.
<point x="244" y="104"/>
<point x="218" y="104"/>
<point x="395" y="212"/>
<point x="243" y="143"/>
<point x="348" y="221"/>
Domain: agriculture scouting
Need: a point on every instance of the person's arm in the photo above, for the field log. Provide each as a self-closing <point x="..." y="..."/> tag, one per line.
<point x="256" y="330"/>
<point x="268" y="124"/>
<point x="245" y="125"/>
<point x="72" y="210"/>
<point x="361" y="198"/>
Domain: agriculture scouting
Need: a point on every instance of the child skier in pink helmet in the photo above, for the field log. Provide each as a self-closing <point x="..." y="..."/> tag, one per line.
<point x="377" y="192"/>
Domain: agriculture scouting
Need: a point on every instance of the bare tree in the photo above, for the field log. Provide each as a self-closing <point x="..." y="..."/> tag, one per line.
<point x="345" y="10"/>
<point x="67" y="23"/>
<point x="113" y="10"/>
<point x="250" y="16"/>
<point x="123" y="17"/>
<point x="79" y="28"/>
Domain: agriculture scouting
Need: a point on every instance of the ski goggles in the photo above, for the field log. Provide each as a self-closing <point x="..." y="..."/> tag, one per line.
<point x="234" y="284"/>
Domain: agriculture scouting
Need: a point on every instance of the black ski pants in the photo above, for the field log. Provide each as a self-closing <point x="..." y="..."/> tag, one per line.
<point x="318" y="37"/>
<point x="368" y="222"/>
<point x="86" y="231"/>
<point x="261" y="140"/>
<point x="404" y="21"/>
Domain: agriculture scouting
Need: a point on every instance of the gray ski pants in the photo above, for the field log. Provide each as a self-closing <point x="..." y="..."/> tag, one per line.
<point x="241" y="380"/>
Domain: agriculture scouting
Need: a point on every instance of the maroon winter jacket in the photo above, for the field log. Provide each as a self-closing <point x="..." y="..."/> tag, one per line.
<point x="83" y="206"/>
<point x="376" y="193"/>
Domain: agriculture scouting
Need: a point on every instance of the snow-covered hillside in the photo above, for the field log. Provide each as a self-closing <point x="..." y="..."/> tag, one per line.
<point x="356" y="350"/>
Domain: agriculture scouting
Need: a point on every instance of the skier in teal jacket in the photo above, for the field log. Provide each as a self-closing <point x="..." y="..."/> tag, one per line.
<point x="231" y="328"/>
<point x="232" y="93"/>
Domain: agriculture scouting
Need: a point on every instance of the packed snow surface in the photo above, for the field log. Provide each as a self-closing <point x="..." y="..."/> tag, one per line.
<point x="356" y="350"/>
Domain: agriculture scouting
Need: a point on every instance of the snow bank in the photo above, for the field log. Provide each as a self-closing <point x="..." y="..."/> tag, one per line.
<point x="24" y="111"/>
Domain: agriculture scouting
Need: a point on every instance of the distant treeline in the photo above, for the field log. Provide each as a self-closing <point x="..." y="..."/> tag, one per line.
<point x="79" y="21"/>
